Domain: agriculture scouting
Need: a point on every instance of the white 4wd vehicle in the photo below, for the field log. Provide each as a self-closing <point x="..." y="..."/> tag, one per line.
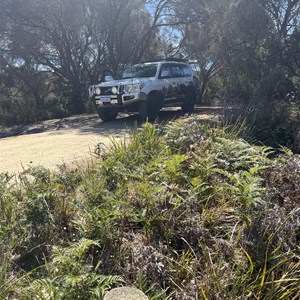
<point x="146" y="88"/>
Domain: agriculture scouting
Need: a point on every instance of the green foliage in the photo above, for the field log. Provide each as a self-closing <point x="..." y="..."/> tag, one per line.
<point x="275" y="123"/>
<point x="248" y="52"/>
<point x="69" y="276"/>
<point x="188" y="211"/>
<point x="125" y="159"/>
<point x="11" y="231"/>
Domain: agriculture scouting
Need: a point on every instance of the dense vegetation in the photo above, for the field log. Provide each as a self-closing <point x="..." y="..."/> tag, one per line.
<point x="185" y="211"/>
<point x="248" y="52"/>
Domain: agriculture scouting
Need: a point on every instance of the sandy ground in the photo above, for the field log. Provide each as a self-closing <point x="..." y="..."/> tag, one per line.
<point x="67" y="141"/>
<point x="47" y="149"/>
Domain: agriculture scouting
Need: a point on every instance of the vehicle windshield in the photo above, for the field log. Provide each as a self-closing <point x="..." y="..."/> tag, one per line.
<point x="138" y="71"/>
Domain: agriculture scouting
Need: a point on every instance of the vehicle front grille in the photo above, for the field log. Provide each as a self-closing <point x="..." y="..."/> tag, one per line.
<point x="106" y="90"/>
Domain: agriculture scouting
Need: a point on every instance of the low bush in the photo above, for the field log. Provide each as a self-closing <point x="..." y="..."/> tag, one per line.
<point x="185" y="211"/>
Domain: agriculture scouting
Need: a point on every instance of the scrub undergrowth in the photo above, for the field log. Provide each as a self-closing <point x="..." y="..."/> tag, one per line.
<point x="184" y="211"/>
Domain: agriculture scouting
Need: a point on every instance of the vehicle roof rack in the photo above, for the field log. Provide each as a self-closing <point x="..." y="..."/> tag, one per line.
<point x="176" y="59"/>
<point x="166" y="59"/>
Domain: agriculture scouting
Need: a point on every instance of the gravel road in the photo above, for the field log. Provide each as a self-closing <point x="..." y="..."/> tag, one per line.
<point x="71" y="140"/>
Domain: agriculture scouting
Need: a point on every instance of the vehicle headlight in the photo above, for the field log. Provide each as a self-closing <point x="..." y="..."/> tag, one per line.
<point x="132" y="88"/>
<point x="114" y="90"/>
<point x="98" y="91"/>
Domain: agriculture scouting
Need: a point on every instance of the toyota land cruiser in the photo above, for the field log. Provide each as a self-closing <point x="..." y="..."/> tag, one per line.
<point x="146" y="88"/>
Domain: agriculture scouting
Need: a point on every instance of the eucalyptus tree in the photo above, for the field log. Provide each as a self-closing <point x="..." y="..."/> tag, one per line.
<point x="248" y="51"/>
<point x="219" y="33"/>
<point x="50" y="36"/>
<point x="285" y="21"/>
<point x="76" y="39"/>
<point x="245" y="40"/>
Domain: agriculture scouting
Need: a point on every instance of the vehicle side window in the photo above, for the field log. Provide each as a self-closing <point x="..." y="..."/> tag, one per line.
<point x="165" y="71"/>
<point x="187" y="71"/>
<point x="176" y="71"/>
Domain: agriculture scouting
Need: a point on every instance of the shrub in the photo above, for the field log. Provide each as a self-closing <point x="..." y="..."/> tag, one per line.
<point x="188" y="211"/>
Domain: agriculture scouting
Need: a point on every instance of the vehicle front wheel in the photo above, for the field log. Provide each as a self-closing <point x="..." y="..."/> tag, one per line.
<point x="189" y="102"/>
<point x="107" y="115"/>
<point x="150" y="108"/>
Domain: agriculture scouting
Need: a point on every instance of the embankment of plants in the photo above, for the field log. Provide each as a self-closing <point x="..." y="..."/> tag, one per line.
<point x="184" y="211"/>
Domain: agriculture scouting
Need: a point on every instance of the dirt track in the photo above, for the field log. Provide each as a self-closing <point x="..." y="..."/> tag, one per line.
<point x="69" y="140"/>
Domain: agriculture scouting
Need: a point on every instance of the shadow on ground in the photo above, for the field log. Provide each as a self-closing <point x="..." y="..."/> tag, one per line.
<point x="125" y="122"/>
<point x="90" y="123"/>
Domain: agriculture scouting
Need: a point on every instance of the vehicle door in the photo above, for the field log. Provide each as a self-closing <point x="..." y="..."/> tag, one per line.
<point x="165" y="82"/>
<point x="177" y="81"/>
<point x="187" y="81"/>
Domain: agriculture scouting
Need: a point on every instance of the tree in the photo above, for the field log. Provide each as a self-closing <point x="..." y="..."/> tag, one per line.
<point x="249" y="53"/>
<point x="76" y="39"/>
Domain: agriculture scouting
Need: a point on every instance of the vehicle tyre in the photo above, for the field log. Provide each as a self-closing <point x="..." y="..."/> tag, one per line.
<point x="189" y="102"/>
<point x="150" y="108"/>
<point x="107" y="115"/>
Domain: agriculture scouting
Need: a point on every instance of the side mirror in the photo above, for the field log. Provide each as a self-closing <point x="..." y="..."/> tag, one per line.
<point x="165" y="74"/>
<point x="108" y="78"/>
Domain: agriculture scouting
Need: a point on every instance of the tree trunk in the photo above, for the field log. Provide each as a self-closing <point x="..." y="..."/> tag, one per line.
<point x="203" y="84"/>
<point x="77" y="100"/>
